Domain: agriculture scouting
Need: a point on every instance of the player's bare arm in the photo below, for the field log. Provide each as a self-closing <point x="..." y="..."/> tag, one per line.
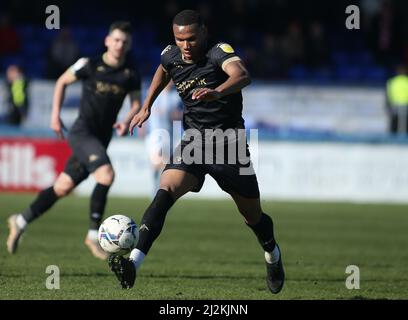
<point x="160" y="80"/>
<point x="59" y="92"/>
<point x="122" y="127"/>
<point x="238" y="79"/>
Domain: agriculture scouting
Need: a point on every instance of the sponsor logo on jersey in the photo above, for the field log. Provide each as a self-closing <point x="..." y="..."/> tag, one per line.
<point x="104" y="87"/>
<point x="226" y="48"/>
<point x="183" y="86"/>
<point x="100" y="69"/>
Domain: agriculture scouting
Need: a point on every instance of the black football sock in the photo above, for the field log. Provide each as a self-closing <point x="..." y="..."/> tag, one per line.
<point x="44" y="201"/>
<point x="98" y="203"/>
<point x="153" y="220"/>
<point x="264" y="232"/>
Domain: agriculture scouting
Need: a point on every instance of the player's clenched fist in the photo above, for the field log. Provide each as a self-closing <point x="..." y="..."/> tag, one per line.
<point x="121" y="128"/>
<point x="206" y="94"/>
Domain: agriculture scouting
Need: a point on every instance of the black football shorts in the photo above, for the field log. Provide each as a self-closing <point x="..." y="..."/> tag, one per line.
<point x="88" y="154"/>
<point x="238" y="177"/>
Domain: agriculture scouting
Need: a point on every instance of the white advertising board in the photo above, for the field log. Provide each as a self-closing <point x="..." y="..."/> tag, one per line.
<point x="286" y="171"/>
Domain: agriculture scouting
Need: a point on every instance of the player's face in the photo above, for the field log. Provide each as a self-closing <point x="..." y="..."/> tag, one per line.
<point x="190" y="39"/>
<point x="118" y="43"/>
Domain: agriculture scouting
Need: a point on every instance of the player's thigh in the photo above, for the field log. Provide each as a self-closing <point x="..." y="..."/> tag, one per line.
<point x="250" y="208"/>
<point x="104" y="174"/>
<point x="63" y="185"/>
<point x="243" y="188"/>
<point x="75" y="171"/>
<point x="178" y="182"/>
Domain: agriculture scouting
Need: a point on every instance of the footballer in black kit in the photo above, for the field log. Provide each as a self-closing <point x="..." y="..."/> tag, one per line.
<point x="104" y="90"/>
<point x="107" y="79"/>
<point x="206" y="116"/>
<point x="209" y="81"/>
<point x="223" y="113"/>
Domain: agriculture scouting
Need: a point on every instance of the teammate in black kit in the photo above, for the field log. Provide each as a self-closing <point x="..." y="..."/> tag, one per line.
<point x="107" y="79"/>
<point x="209" y="80"/>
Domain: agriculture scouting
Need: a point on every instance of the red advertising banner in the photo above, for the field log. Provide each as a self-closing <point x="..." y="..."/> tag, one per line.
<point x="31" y="164"/>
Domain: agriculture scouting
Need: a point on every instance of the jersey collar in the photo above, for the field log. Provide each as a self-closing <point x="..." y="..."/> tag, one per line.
<point x="121" y="63"/>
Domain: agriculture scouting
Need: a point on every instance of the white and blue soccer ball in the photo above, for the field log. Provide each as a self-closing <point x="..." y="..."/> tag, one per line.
<point x="118" y="234"/>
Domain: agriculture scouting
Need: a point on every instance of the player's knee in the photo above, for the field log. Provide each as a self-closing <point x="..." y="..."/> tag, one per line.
<point x="107" y="179"/>
<point x="171" y="189"/>
<point x="63" y="188"/>
<point x="105" y="176"/>
<point x="167" y="187"/>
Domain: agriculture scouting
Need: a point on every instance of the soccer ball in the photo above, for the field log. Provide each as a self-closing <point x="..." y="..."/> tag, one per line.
<point x="118" y="235"/>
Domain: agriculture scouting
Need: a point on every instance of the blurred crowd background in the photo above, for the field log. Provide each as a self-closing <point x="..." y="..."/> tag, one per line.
<point x="314" y="80"/>
<point x="278" y="39"/>
<point x="311" y="73"/>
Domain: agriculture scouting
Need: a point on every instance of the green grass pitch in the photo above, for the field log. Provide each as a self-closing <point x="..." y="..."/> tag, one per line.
<point x="206" y="252"/>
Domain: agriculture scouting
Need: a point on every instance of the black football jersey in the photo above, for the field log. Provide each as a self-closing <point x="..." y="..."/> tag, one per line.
<point x="104" y="90"/>
<point x="208" y="72"/>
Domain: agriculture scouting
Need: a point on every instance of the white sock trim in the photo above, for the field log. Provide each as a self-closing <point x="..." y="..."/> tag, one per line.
<point x="272" y="257"/>
<point x="137" y="257"/>
<point x="21" y="222"/>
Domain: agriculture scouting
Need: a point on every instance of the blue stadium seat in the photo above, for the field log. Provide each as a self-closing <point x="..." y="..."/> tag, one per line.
<point x="89" y="49"/>
<point x="47" y="36"/>
<point x="340" y="58"/>
<point x="7" y="60"/>
<point x="298" y="73"/>
<point x="33" y="49"/>
<point x="349" y="73"/>
<point x="362" y="58"/>
<point x="99" y="33"/>
<point x="321" y="75"/>
<point x="375" y="74"/>
<point x="36" y="68"/>
<point x="27" y="32"/>
<point x="80" y="33"/>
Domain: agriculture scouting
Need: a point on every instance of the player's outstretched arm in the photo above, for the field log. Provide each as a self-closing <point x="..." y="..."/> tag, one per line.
<point x="59" y="92"/>
<point x="237" y="80"/>
<point x="160" y="80"/>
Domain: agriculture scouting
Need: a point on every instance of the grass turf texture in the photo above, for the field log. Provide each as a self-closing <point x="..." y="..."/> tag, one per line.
<point x="206" y="252"/>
